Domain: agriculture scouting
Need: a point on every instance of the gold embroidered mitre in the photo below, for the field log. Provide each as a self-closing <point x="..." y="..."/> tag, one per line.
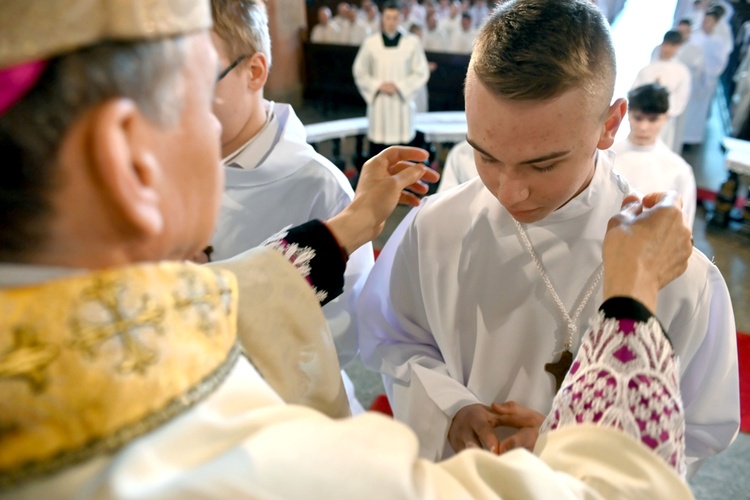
<point x="40" y="29"/>
<point x="90" y="362"/>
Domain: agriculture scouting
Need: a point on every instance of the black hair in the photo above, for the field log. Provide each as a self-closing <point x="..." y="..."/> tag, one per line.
<point x="673" y="37"/>
<point x="652" y="99"/>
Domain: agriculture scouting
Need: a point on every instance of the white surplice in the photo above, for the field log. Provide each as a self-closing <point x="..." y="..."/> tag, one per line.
<point x="454" y="313"/>
<point x="459" y="167"/>
<point x="715" y="57"/>
<point x="278" y="180"/>
<point x="657" y="168"/>
<point x="391" y="117"/>
<point x="242" y="441"/>
<point x="462" y="41"/>
<point x="435" y="40"/>
<point x="330" y="33"/>
<point x="673" y="75"/>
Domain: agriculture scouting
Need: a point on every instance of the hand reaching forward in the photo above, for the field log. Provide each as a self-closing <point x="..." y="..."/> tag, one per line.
<point x="646" y="246"/>
<point x="381" y="186"/>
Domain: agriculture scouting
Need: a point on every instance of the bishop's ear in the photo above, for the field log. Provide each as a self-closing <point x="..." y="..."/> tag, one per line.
<point x="615" y="115"/>
<point x="128" y="172"/>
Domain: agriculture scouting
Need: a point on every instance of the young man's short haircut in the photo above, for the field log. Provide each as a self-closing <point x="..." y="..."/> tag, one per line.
<point x="243" y="26"/>
<point x="651" y="99"/>
<point x="530" y="50"/>
<point x="673" y="37"/>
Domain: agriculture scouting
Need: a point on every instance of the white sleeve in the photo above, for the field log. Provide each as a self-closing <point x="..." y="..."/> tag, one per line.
<point x="680" y="96"/>
<point x="363" y="72"/>
<point x="449" y="177"/>
<point x="709" y="381"/>
<point x="396" y="340"/>
<point x="418" y="73"/>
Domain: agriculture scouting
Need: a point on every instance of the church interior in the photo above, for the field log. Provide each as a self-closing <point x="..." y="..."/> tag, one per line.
<point x="637" y="27"/>
<point x="244" y="311"/>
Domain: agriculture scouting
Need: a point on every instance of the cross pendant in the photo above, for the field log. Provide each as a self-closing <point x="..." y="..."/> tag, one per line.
<point x="560" y="368"/>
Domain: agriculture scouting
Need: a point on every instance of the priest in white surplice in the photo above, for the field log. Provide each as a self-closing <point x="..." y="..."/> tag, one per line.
<point x="667" y="70"/>
<point x="480" y="295"/>
<point x="643" y="158"/>
<point x="716" y="52"/>
<point x="389" y="70"/>
<point x="274" y="179"/>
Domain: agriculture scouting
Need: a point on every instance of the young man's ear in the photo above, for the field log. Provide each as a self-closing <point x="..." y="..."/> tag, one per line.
<point x="615" y="115"/>
<point x="127" y="169"/>
<point x="257" y="66"/>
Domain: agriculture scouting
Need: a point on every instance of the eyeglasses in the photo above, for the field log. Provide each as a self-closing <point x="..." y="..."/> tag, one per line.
<point x="230" y="67"/>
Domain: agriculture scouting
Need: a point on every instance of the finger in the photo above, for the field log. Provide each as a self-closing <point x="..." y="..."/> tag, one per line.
<point x="410" y="175"/>
<point x="511" y="414"/>
<point x="418" y="187"/>
<point x="395" y="154"/>
<point x="406" y="198"/>
<point x="665" y="199"/>
<point x="509" y="443"/>
<point x="486" y="435"/>
<point x="631" y="198"/>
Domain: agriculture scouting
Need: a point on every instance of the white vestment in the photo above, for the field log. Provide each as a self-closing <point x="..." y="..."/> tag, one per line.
<point x="330" y="33"/>
<point x="242" y="441"/>
<point x="435" y="40"/>
<point x="675" y="77"/>
<point x="459" y="167"/>
<point x="656" y="168"/>
<point x="450" y="25"/>
<point x="715" y="58"/>
<point x="391" y="117"/>
<point x="278" y="180"/>
<point x="691" y="56"/>
<point x="462" y="41"/>
<point x="455" y="312"/>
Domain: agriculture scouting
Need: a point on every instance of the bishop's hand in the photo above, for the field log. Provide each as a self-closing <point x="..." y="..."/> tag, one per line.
<point x="382" y="185"/>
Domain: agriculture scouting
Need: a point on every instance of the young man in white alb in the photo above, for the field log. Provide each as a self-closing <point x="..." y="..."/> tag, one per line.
<point x="643" y="158"/>
<point x="479" y="297"/>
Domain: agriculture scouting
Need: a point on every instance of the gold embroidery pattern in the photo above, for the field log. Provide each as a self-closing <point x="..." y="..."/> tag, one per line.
<point x="194" y="297"/>
<point x="28" y="358"/>
<point x="116" y="440"/>
<point x="107" y="312"/>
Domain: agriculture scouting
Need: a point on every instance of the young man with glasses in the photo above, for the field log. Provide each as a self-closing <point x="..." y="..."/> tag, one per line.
<point x="274" y="179"/>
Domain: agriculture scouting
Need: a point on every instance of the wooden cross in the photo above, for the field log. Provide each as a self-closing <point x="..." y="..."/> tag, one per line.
<point x="560" y="368"/>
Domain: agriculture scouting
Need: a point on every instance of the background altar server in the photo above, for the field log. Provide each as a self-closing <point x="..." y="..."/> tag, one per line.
<point x="716" y="52"/>
<point x="480" y="294"/>
<point x="389" y="70"/>
<point x="643" y="158"/>
<point x="666" y="69"/>
<point x="274" y="179"/>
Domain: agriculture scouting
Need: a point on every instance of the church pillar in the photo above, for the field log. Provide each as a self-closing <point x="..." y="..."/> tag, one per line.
<point x="285" y="20"/>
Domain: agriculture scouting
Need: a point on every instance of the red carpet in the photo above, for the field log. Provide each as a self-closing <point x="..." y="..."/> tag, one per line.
<point x="708" y="195"/>
<point x="743" y="352"/>
<point x="743" y="349"/>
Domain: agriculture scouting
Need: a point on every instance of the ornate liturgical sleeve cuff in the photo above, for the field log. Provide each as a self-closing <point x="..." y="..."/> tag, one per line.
<point x="316" y="254"/>
<point x="628" y="308"/>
